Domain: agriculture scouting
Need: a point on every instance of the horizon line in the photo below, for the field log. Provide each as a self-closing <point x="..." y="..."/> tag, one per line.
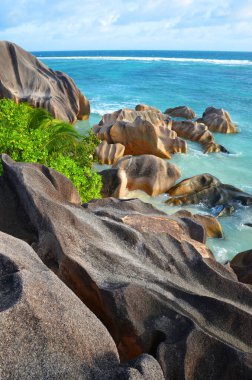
<point x="154" y="50"/>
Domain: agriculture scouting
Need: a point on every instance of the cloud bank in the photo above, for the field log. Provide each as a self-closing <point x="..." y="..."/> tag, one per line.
<point x="128" y="24"/>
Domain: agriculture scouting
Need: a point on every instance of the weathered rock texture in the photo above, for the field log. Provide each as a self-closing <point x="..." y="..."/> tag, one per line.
<point x="198" y="132"/>
<point x="218" y="120"/>
<point x="46" y="331"/>
<point x="181" y="111"/>
<point x="109" y="153"/>
<point x="208" y="190"/>
<point x="24" y="78"/>
<point x="141" y="132"/>
<point x="143" y="276"/>
<point x="146" y="172"/>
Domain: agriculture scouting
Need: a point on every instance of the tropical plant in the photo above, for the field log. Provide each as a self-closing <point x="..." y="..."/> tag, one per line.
<point x="32" y="135"/>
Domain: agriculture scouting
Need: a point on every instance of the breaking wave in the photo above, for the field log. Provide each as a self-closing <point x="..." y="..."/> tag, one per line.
<point x="238" y="62"/>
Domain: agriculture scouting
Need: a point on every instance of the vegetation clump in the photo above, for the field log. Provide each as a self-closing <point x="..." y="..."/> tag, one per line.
<point x="32" y="135"/>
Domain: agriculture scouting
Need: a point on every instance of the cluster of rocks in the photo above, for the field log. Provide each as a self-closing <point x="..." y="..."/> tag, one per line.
<point x="112" y="289"/>
<point x="140" y="132"/>
<point x="136" y="142"/>
<point x="146" y="130"/>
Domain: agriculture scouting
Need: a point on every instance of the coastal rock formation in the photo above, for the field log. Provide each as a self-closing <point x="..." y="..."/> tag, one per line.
<point x="181" y="111"/>
<point x="24" y="78"/>
<point x="242" y="266"/>
<point x="157" y="290"/>
<point x="208" y="190"/>
<point x="57" y="335"/>
<point x="109" y="153"/>
<point x="218" y="120"/>
<point x="146" y="172"/>
<point x="211" y="225"/>
<point x="197" y="132"/>
<point x="141" y="132"/>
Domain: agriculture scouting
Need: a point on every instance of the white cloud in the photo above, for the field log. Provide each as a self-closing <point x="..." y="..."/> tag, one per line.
<point x="127" y="24"/>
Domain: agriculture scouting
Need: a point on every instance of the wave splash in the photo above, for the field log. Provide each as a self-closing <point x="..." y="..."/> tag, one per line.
<point x="153" y="59"/>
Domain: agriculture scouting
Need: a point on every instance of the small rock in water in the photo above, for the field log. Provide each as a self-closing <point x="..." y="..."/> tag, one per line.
<point x="209" y="191"/>
<point x="181" y="111"/>
<point x="218" y="120"/>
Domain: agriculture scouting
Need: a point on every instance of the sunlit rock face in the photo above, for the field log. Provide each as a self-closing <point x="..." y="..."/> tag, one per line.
<point x="148" y="173"/>
<point x="218" y="120"/>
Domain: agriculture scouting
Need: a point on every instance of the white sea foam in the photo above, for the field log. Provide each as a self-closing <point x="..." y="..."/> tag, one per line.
<point x="182" y="60"/>
<point x="104" y="111"/>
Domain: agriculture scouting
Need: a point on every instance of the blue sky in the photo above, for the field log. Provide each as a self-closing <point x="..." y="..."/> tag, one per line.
<point x="127" y="24"/>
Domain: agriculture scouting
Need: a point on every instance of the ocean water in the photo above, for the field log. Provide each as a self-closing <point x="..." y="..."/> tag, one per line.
<point x="116" y="79"/>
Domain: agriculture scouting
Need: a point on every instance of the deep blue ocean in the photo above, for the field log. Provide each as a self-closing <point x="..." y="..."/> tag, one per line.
<point x="118" y="79"/>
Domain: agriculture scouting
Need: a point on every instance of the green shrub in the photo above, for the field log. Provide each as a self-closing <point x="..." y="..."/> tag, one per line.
<point x="32" y="135"/>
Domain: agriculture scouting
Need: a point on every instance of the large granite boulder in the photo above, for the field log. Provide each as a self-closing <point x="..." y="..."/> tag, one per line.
<point x="141" y="132"/>
<point x="208" y="190"/>
<point x="142" y="137"/>
<point x="47" y="332"/>
<point x="146" y="280"/>
<point x="197" y="132"/>
<point x="181" y="111"/>
<point x="218" y="120"/>
<point x="109" y="153"/>
<point x="127" y="115"/>
<point x="24" y="78"/>
<point x="146" y="172"/>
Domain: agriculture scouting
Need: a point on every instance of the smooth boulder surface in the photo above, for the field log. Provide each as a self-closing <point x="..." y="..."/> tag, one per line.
<point x="148" y="173"/>
<point x="127" y="115"/>
<point x="208" y="190"/>
<point x="47" y="332"/>
<point x="109" y="153"/>
<point x="198" y="132"/>
<point x="142" y="277"/>
<point x="24" y="78"/>
<point x="142" y="137"/>
<point x="141" y="132"/>
<point x="218" y="120"/>
<point x="181" y="111"/>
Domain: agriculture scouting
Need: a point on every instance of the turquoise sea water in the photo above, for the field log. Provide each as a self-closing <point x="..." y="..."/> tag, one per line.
<point x="118" y="79"/>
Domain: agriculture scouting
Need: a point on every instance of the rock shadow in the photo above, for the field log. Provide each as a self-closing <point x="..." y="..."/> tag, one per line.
<point x="10" y="283"/>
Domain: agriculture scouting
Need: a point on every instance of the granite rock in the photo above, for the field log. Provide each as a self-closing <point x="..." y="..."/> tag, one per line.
<point x="24" y="78"/>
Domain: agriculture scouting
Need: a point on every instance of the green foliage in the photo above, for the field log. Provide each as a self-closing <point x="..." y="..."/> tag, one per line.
<point x="32" y="135"/>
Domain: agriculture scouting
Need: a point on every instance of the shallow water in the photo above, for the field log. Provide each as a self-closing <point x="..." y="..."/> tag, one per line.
<point x="113" y="80"/>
